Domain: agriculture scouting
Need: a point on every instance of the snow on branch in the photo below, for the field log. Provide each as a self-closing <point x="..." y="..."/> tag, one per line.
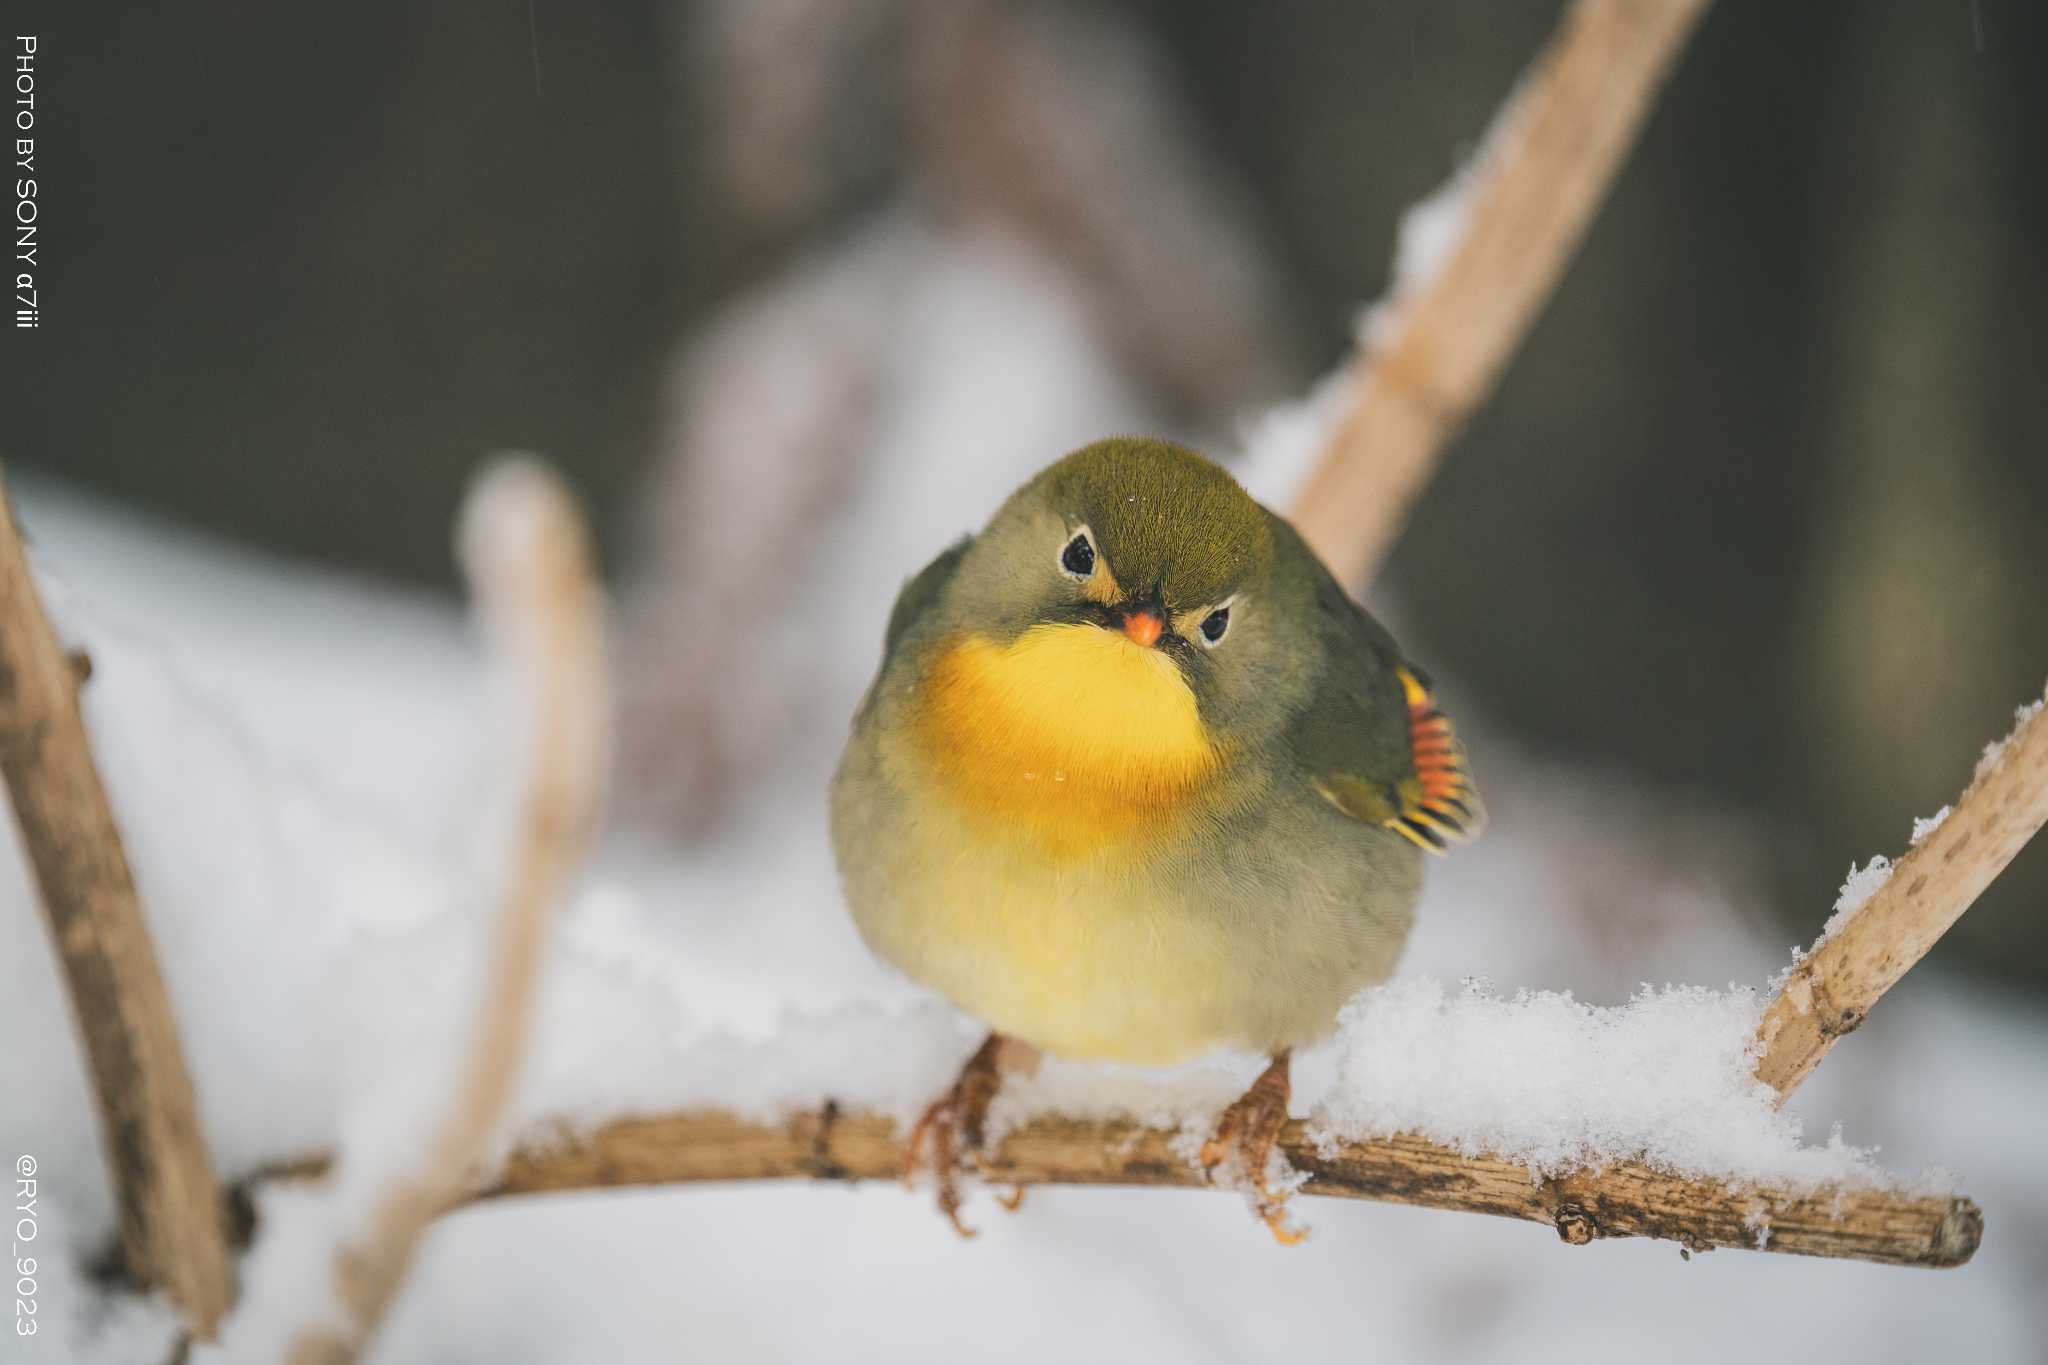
<point x="1477" y="262"/>
<point x="527" y="556"/>
<point x="1880" y="931"/>
<point x="149" y="1117"/>
<point x="1641" y="1119"/>
<point x="1870" y="1222"/>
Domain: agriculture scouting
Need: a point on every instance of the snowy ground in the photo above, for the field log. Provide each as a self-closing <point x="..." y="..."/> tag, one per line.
<point x="301" y="768"/>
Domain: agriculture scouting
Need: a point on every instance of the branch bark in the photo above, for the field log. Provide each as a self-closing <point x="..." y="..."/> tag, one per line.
<point x="1624" y="1200"/>
<point x="1546" y="164"/>
<point x="1832" y="990"/>
<point x="530" y="570"/>
<point x="164" y="1185"/>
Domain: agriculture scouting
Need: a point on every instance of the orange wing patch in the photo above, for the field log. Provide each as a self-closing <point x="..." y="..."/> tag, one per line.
<point x="1440" y="807"/>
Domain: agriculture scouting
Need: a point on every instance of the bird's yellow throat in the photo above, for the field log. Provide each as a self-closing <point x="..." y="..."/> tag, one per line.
<point x="1072" y="735"/>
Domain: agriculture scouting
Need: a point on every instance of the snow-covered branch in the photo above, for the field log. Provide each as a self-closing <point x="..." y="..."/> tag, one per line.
<point x="1865" y="1221"/>
<point x="1871" y="943"/>
<point x="1497" y="242"/>
<point x="149" y="1117"/>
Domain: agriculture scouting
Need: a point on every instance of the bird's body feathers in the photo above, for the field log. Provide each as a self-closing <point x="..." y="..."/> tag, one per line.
<point x="1121" y="846"/>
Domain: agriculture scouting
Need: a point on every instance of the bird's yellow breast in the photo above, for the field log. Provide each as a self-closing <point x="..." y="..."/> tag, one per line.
<point x="1071" y="736"/>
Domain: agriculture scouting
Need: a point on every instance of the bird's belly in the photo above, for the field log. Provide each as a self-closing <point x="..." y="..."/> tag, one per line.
<point x="1082" y="959"/>
<point x="1223" y="920"/>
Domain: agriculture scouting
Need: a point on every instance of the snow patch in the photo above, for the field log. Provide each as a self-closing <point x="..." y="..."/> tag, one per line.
<point x="1560" y="1085"/>
<point x="1857" y="888"/>
<point x="2022" y="717"/>
<point x="1282" y="445"/>
<point x="1280" y="448"/>
<point x="1926" y="825"/>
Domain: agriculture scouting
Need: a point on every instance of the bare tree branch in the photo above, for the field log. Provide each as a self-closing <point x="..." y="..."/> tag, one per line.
<point x="1546" y="164"/>
<point x="529" y="564"/>
<point x="163" y="1178"/>
<point x="1870" y="1222"/>
<point x="1628" y="1199"/>
<point x="1831" y="991"/>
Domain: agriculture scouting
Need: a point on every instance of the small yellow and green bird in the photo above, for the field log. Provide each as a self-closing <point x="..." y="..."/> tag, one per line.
<point x="1137" y="780"/>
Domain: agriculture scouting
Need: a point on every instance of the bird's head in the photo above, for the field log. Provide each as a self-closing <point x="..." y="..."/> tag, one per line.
<point x="1139" y="590"/>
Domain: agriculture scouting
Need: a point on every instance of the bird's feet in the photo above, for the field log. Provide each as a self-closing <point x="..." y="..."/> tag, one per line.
<point x="956" y="1125"/>
<point x="1248" y="1130"/>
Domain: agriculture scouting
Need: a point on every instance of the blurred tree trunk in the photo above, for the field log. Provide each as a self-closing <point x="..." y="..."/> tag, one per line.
<point x="1916" y="623"/>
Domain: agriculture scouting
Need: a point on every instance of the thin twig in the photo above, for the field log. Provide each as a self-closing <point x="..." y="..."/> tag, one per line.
<point x="1864" y="1222"/>
<point x="1832" y="989"/>
<point x="1435" y="353"/>
<point x="528" y="559"/>
<point x="149" y="1117"/>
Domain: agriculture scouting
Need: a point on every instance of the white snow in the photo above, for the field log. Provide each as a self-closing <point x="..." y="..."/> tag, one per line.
<point x="1927" y="824"/>
<point x="1867" y="880"/>
<point x="1432" y="230"/>
<point x="1537" y="1077"/>
<point x="1857" y="888"/>
<point x="1278" y="449"/>
<point x="2022" y="717"/>
<point x="1562" y="1085"/>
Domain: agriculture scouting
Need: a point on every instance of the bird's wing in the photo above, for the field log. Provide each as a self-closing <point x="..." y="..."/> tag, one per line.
<point x="912" y="604"/>
<point x="1373" y="740"/>
<point x="919" y="593"/>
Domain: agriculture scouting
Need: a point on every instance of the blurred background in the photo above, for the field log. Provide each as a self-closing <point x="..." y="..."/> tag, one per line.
<point x="1756" y="514"/>
<point x="1733" y="577"/>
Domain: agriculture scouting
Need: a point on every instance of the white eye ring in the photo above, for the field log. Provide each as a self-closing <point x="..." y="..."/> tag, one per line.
<point x="1084" y="540"/>
<point x="1221" y="609"/>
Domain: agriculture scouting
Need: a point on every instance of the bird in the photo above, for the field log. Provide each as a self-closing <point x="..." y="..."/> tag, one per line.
<point x="1137" y="781"/>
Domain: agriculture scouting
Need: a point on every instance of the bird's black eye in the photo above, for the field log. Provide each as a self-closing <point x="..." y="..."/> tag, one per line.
<point x="1214" y="624"/>
<point x="1078" y="559"/>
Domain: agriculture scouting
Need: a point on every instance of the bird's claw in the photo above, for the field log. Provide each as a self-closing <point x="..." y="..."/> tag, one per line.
<point x="1273" y="1213"/>
<point x="1249" y="1130"/>
<point x="956" y="1123"/>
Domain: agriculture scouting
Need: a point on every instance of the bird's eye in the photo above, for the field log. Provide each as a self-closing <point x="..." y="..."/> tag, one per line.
<point x="1077" y="560"/>
<point x="1214" y="625"/>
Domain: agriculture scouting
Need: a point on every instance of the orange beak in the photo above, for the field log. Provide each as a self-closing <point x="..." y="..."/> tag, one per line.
<point x="1143" y="627"/>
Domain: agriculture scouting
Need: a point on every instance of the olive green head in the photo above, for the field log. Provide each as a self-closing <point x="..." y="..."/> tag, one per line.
<point x="1169" y="522"/>
<point x="1148" y="539"/>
